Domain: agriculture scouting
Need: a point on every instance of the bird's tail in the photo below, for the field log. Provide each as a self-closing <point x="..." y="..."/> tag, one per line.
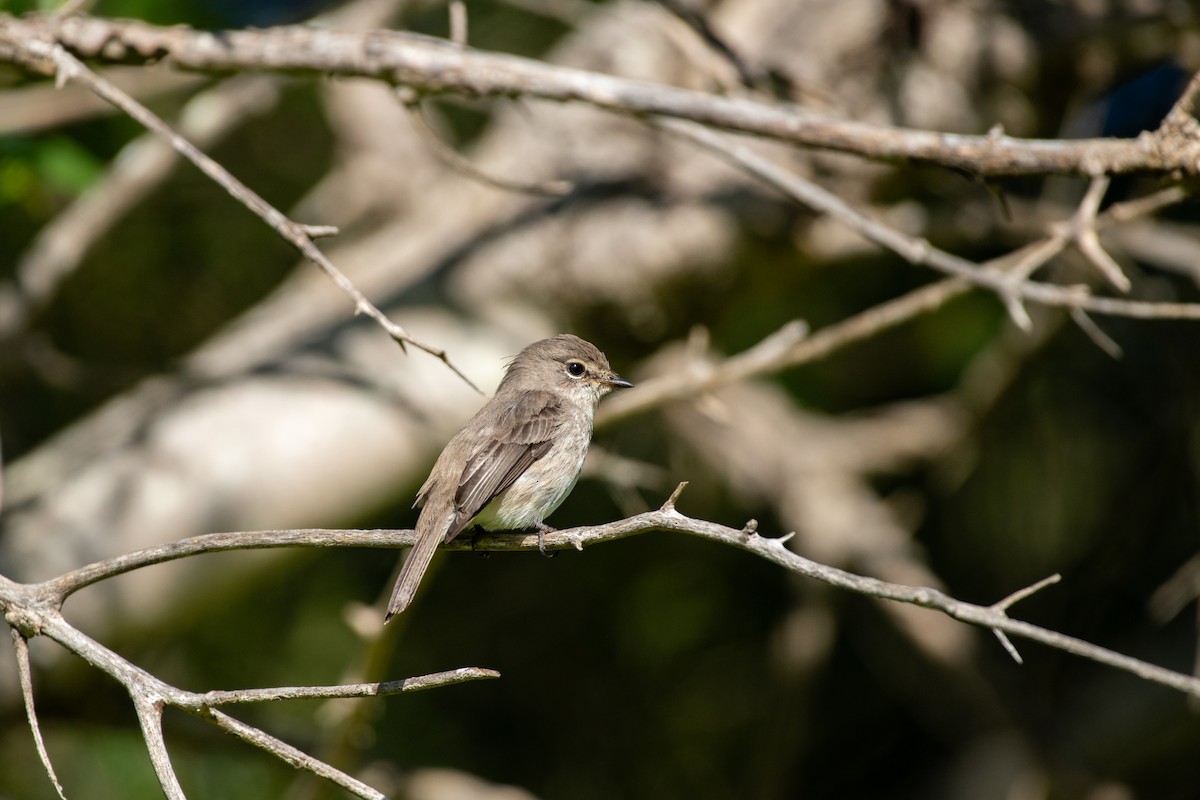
<point x="413" y="570"/>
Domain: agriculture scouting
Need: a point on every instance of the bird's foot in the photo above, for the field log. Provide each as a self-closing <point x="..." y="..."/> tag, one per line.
<point x="543" y="529"/>
<point x="476" y="531"/>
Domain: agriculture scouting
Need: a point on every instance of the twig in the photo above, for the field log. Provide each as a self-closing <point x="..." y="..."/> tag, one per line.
<point x="21" y="645"/>
<point x="70" y="68"/>
<point x="1083" y="226"/>
<point x="375" y="689"/>
<point x="458" y="22"/>
<point x="292" y="755"/>
<point x="1095" y="333"/>
<point x="1028" y="591"/>
<point x="149" y="714"/>
<point x="1011" y="600"/>
<point x="1176" y="592"/>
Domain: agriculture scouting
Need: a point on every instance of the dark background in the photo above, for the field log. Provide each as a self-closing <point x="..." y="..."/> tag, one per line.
<point x="658" y="667"/>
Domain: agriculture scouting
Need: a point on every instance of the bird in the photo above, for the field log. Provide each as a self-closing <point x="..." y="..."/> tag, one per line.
<point x="518" y="458"/>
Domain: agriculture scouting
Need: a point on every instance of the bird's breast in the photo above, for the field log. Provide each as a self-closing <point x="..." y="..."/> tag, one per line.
<point x="542" y="488"/>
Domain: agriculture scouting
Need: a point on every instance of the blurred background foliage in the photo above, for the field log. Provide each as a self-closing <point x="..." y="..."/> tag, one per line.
<point x="664" y="667"/>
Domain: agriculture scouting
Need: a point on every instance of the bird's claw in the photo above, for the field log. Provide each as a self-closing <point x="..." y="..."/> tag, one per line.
<point x="542" y="530"/>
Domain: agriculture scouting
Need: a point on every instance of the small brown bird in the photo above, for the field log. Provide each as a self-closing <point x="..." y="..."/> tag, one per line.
<point x="518" y="458"/>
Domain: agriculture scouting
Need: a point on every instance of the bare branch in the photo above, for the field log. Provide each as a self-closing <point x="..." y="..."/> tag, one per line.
<point x="71" y="582"/>
<point x="773" y="550"/>
<point x="670" y="504"/>
<point x="21" y="645"/>
<point x="375" y="689"/>
<point x="292" y="755"/>
<point x="32" y="609"/>
<point x="918" y="251"/>
<point x="438" y="66"/>
<point x="1028" y="591"/>
<point x="1095" y="333"/>
<point x="1084" y="226"/>
<point x="149" y="713"/>
<point x="1009" y="601"/>
<point x="67" y="67"/>
<point x="458" y="22"/>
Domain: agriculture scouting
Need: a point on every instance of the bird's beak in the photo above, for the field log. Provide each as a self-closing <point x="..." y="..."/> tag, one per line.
<point x="615" y="381"/>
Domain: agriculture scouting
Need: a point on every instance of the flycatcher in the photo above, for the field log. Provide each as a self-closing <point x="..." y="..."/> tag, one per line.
<point x="518" y="458"/>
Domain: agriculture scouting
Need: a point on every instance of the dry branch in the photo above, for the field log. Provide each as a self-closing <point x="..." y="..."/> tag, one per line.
<point x="437" y="66"/>
<point x="33" y="608"/>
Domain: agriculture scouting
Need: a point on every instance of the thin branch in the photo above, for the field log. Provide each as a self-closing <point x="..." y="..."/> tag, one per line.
<point x="1096" y="333"/>
<point x="21" y="645"/>
<point x="67" y="67"/>
<point x="291" y="755"/>
<point x="375" y="689"/>
<point x="773" y="550"/>
<point x="71" y="582"/>
<point x="921" y="252"/>
<point x="1086" y="238"/>
<point x="1181" y="588"/>
<point x="1028" y="591"/>
<point x="149" y="713"/>
<point x="1012" y="599"/>
<point x="458" y="22"/>
<point x="436" y="66"/>
<point x="670" y="504"/>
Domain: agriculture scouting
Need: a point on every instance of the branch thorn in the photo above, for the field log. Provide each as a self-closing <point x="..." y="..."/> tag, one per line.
<point x="670" y="504"/>
<point x="1008" y="645"/>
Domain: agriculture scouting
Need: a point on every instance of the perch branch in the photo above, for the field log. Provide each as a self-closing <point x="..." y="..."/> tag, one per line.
<point x="49" y="594"/>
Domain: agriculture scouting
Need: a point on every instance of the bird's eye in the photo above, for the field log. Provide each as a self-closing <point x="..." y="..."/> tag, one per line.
<point x="575" y="369"/>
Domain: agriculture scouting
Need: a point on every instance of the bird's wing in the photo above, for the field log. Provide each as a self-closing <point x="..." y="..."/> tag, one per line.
<point x="521" y="436"/>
